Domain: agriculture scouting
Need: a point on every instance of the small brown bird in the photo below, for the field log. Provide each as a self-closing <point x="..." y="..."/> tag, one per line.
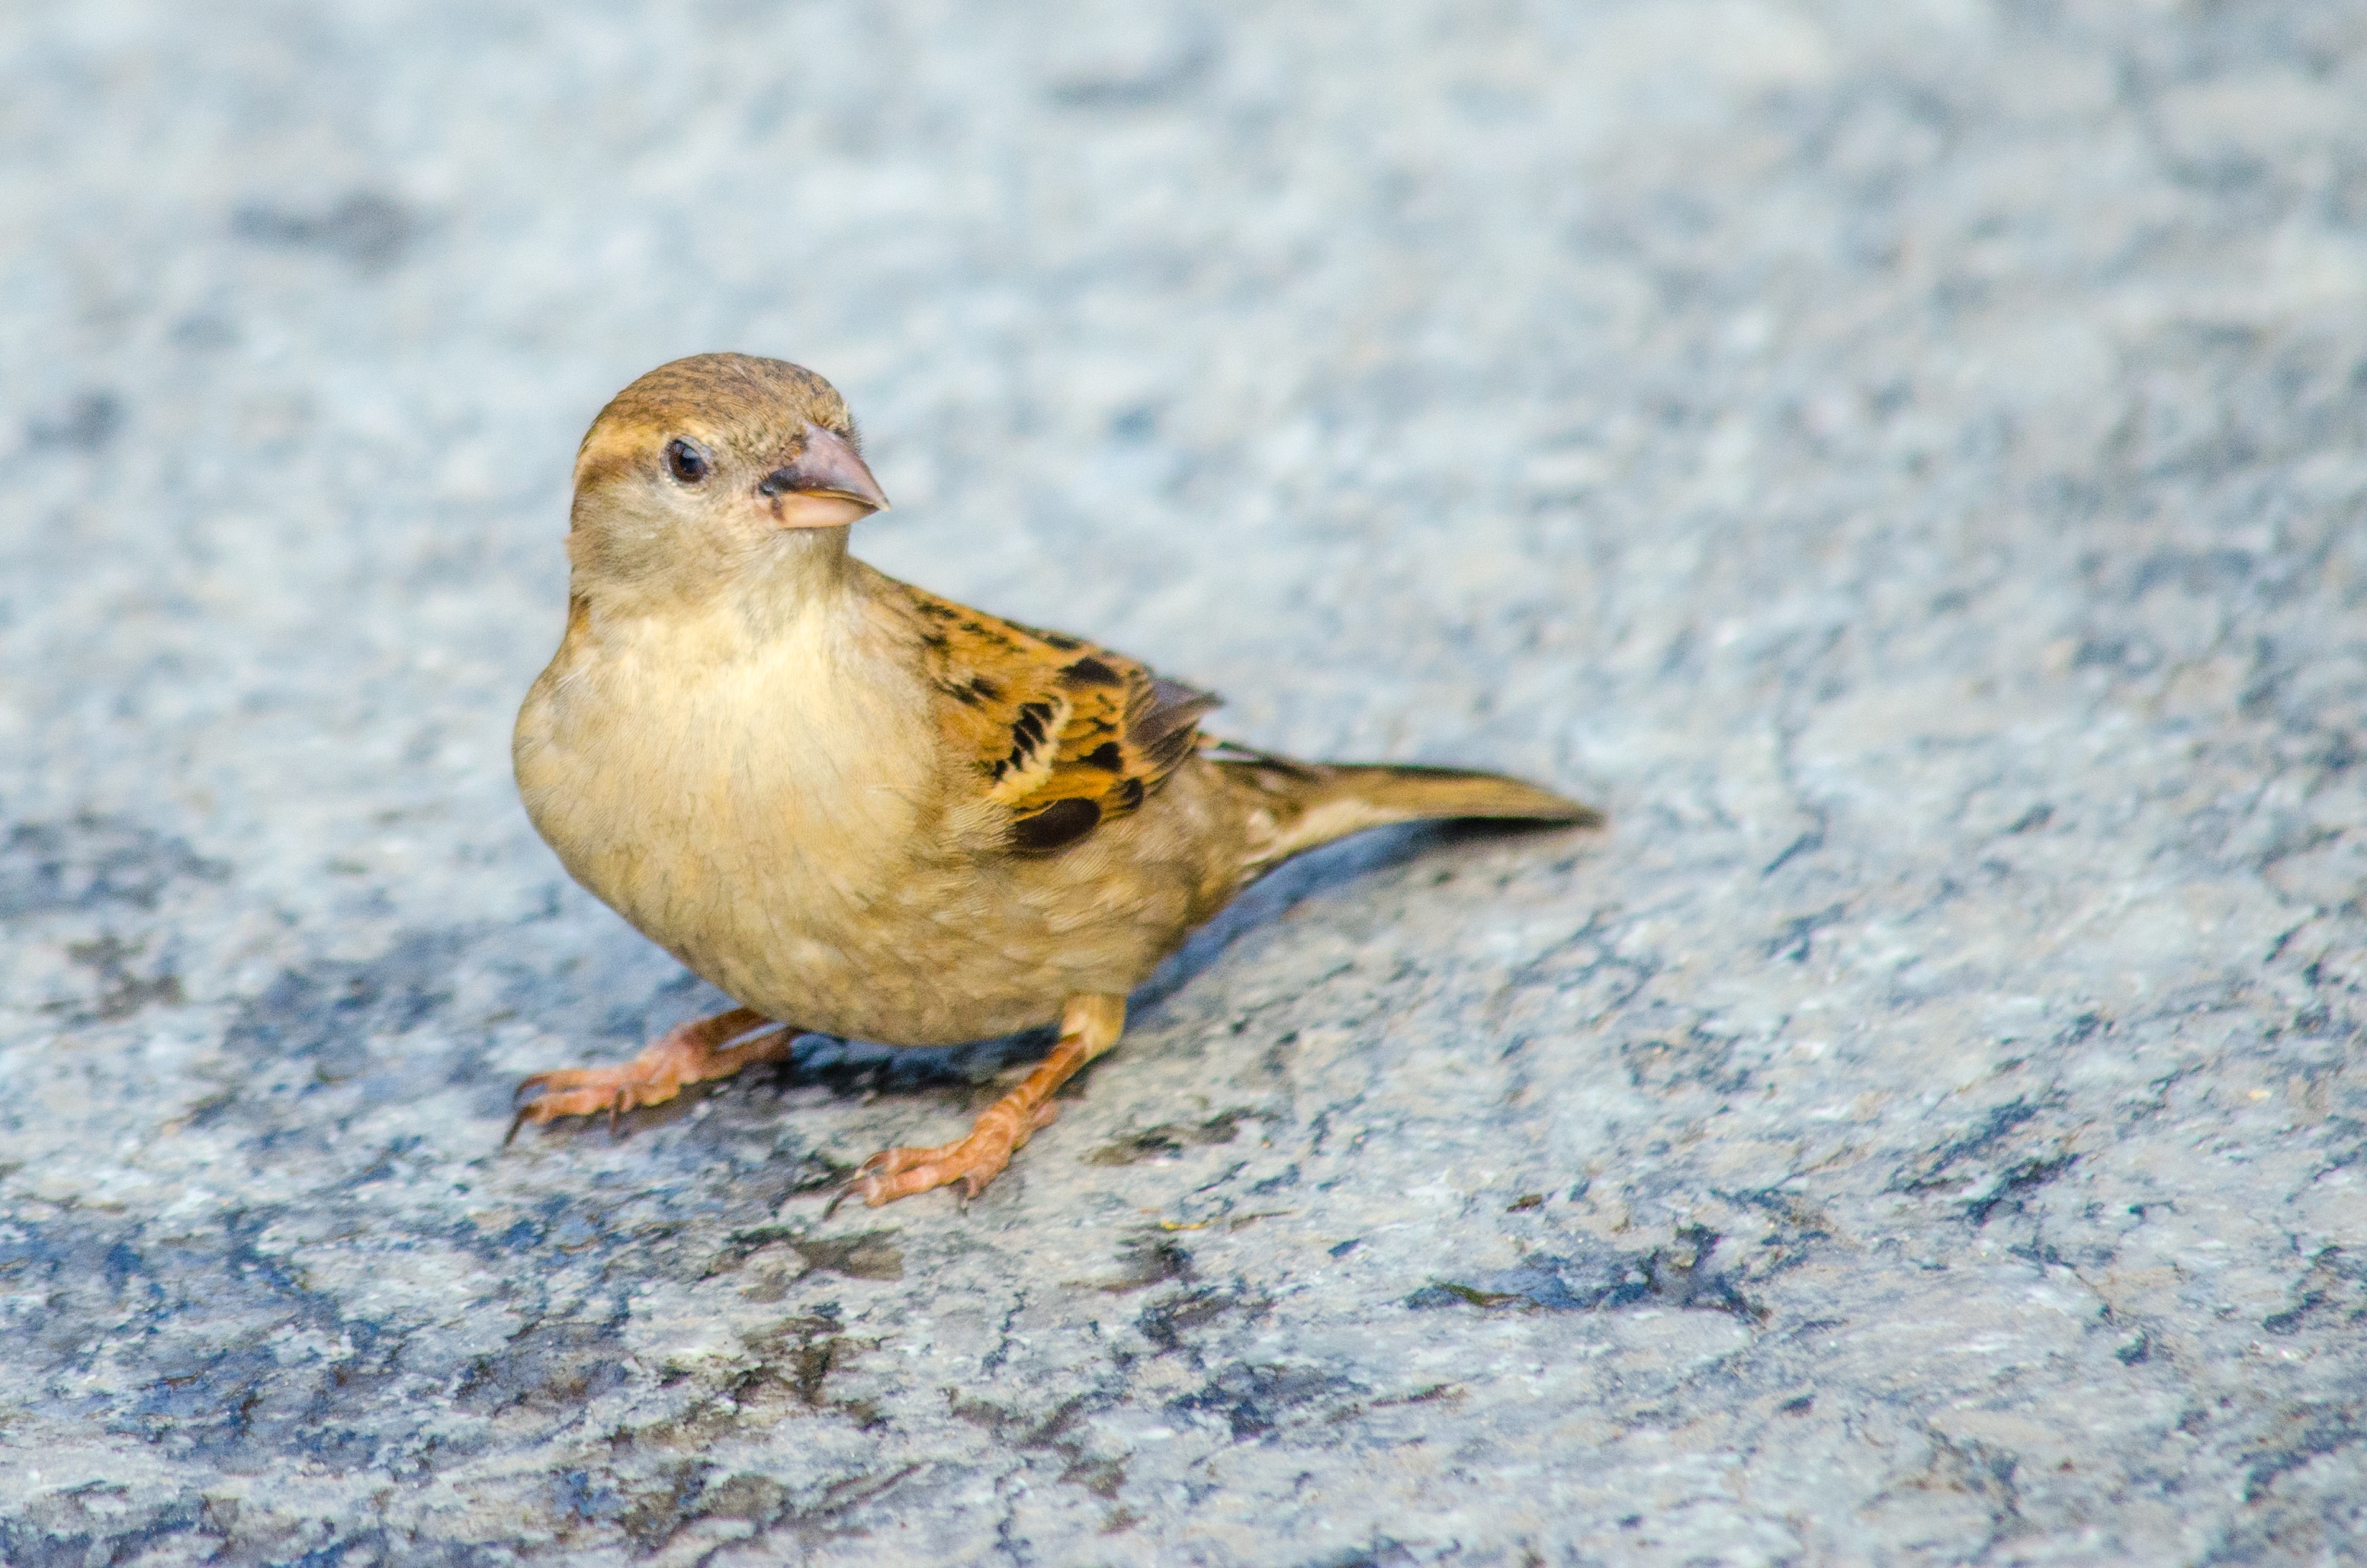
<point x="858" y="808"/>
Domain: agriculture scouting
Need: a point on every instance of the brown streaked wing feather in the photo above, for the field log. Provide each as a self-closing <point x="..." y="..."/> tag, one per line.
<point x="1067" y="734"/>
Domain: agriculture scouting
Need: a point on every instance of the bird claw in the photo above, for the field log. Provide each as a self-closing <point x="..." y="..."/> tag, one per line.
<point x="972" y="1162"/>
<point x="694" y="1053"/>
<point x="901" y="1173"/>
<point x="588" y="1092"/>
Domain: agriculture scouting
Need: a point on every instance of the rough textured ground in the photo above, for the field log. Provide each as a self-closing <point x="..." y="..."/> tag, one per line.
<point x="1908" y="461"/>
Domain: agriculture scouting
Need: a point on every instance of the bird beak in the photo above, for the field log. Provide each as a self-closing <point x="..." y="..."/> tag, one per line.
<point x="825" y="486"/>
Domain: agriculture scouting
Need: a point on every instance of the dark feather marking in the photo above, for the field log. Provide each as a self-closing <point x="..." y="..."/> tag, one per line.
<point x="1033" y="717"/>
<point x="1090" y="671"/>
<point x="987" y="634"/>
<point x="1056" y="826"/>
<point x="1128" y="731"/>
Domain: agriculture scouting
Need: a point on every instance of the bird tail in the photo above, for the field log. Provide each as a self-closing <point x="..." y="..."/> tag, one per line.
<point x="1295" y="806"/>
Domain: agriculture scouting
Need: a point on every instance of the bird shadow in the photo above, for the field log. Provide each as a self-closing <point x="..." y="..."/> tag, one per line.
<point x="850" y="1068"/>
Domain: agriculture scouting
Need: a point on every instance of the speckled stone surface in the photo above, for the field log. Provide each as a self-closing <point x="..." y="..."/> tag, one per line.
<point x="1907" y="460"/>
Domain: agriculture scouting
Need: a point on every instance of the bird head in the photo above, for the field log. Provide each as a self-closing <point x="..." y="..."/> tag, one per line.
<point x="711" y="468"/>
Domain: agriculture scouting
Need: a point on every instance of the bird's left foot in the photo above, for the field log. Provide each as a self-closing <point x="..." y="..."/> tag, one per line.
<point x="1089" y="1025"/>
<point x="973" y="1161"/>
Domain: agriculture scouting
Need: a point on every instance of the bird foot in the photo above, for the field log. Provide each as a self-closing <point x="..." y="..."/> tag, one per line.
<point x="973" y="1161"/>
<point x="1090" y="1024"/>
<point x="686" y="1055"/>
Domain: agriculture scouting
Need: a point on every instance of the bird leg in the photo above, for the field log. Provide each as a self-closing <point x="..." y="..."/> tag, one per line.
<point x="1090" y="1024"/>
<point x="691" y="1053"/>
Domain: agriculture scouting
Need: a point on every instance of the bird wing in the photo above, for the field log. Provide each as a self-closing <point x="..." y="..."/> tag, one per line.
<point x="1065" y="734"/>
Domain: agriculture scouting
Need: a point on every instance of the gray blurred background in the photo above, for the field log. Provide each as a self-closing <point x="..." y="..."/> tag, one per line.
<point x="1906" y="461"/>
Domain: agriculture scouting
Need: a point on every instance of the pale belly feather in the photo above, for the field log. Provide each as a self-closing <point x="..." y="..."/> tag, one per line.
<point x="801" y="862"/>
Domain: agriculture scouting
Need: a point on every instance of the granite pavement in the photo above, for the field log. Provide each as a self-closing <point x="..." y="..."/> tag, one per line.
<point x="1906" y="461"/>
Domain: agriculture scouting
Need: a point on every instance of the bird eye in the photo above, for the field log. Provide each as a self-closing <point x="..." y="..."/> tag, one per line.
<point x="686" y="461"/>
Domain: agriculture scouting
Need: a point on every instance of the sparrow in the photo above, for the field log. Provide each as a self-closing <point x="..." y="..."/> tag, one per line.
<point x="859" y="809"/>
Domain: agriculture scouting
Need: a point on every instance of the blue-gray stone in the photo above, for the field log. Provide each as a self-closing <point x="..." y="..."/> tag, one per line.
<point x="1907" y="461"/>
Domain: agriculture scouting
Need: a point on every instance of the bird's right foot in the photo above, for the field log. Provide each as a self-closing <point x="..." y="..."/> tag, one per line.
<point x="690" y="1054"/>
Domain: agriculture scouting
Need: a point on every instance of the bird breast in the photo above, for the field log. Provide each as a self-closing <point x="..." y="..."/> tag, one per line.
<point x="746" y="803"/>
